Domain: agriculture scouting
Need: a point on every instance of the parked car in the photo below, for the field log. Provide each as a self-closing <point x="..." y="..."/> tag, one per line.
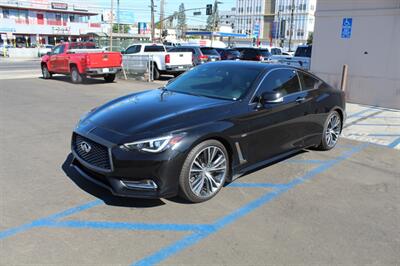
<point x="80" y="60"/>
<point x="301" y="58"/>
<point x="228" y="53"/>
<point x="197" y="55"/>
<point x="254" y="54"/>
<point x="211" y="53"/>
<point x="44" y="49"/>
<point x="163" y="62"/>
<point x="215" y="122"/>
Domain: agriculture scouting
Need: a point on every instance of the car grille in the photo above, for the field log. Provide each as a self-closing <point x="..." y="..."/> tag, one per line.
<point x="97" y="155"/>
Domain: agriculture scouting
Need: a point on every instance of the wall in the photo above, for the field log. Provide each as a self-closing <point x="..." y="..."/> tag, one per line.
<point x="372" y="52"/>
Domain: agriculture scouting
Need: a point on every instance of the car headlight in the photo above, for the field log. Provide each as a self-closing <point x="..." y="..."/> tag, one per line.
<point x="154" y="145"/>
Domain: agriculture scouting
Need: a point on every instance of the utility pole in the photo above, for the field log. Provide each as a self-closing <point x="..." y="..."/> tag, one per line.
<point x="162" y="5"/>
<point x="111" y="24"/>
<point x="152" y="21"/>
<point x="291" y="26"/>
<point x="118" y="18"/>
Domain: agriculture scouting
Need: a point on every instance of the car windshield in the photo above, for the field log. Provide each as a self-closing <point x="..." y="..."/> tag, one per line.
<point x="223" y="81"/>
<point x="209" y="51"/>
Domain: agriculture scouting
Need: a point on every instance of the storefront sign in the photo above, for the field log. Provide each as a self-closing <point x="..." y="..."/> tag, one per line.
<point x="60" y="6"/>
<point x="61" y="30"/>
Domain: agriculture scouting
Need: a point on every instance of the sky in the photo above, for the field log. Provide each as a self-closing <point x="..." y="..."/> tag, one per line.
<point x="141" y="10"/>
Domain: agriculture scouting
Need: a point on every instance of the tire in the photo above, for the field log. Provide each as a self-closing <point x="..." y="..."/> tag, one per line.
<point x="156" y="72"/>
<point x="109" y="78"/>
<point x="46" y="73"/>
<point x="76" y="77"/>
<point x="201" y="179"/>
<point x="331" y="133"/>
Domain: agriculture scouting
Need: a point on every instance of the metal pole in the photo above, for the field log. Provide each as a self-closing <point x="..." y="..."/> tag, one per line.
<point x="118" y="18"/>
<point x="152" y="21"/>
<point x="162" y="3"/>
<point x="111" y="24"/>
<point x="291" y="26"/>
<point x="343" y="84"/>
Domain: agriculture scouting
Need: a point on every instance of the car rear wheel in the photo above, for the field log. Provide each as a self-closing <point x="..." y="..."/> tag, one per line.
<point x="45" y="72"/>
<point x="332" y="130"/>
<point x="156" y="72"/>
<point x="76" y="77"/>
<point x="109" y="78"/>
<point x="204" y="171"/>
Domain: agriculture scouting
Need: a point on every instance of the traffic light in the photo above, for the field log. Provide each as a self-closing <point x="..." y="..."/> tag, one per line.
<point x="209" y="10"/>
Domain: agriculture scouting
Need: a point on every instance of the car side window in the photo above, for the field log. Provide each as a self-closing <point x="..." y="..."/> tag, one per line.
<point x="58" y="49"/>
<point x="133" y="49"/>
<point x="284" y="81"/>
<point x="308" y="82"/>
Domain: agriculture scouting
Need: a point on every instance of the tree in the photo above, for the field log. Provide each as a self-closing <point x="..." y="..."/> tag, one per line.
<point x="181" y="24"/>
<point x="310" y="38"/>
<point x="123" y="28"/>
<point x="213" y="19"/>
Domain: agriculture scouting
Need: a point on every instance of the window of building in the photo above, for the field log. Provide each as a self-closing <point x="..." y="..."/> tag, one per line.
<point x="6" y="13"/>
<point x="71" y="18"/>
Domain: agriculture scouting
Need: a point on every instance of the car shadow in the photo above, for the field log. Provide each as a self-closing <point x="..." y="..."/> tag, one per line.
<point x="104" y="194"/>
<point x="87" y="81"/>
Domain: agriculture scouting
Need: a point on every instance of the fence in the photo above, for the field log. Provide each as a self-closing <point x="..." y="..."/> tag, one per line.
<point x="138" y="66"/>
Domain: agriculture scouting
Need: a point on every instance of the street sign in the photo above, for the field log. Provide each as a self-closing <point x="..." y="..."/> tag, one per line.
<point x="198" y="13"/>
<point x="256" y="30"/>
<point x="347" y="28"/>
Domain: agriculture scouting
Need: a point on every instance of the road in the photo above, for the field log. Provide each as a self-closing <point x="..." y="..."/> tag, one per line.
<point x="315" y="208"/>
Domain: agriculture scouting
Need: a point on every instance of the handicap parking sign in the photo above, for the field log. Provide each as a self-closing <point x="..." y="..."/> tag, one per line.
<point x="347" y="28"/>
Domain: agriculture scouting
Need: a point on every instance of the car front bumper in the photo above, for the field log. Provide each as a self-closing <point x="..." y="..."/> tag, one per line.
<point x="133" y="173"/>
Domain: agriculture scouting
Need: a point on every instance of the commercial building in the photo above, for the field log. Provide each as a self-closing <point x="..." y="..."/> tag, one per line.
<point x="27" y="23"/>
<point x="295" y="18"/>
<point x="365" y="35"/>
<point x="255" y="17"/>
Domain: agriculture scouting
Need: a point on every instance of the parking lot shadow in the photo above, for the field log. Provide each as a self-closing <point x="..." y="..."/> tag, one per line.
<point x="87" y="81"/>
<point x="103" y="193"/>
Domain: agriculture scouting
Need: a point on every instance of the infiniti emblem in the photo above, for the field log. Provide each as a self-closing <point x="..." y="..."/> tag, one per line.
<point x="85" y="146"/>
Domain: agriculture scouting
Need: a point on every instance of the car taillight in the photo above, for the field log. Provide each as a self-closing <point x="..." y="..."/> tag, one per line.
<point x="203" y="57"/>
<point x="167" y="59"/>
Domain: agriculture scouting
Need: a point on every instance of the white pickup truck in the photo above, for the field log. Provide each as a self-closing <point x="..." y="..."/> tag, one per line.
<point x="301" y="58"/>
<point x="162" y="62"/>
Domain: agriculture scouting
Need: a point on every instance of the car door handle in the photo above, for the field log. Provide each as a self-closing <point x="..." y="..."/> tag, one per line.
<point x="300" y="99"/>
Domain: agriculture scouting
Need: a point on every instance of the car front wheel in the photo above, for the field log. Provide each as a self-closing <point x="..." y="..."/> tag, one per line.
<point x="204" y="171"/>
<point x="332" y="130"/>
<point x="45" y="72"/>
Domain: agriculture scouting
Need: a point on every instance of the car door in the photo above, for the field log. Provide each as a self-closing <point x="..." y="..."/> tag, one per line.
<point x="276" y="127"/>
<point x="53" y="62"/>
<point x="63" y="60"/>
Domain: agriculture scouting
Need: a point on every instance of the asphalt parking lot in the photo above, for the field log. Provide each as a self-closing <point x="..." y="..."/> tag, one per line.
<point x="315" y="208"/>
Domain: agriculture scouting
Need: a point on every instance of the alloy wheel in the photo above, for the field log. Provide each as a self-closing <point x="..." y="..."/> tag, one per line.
<point x="208" y="171"/>
<point x="333" y="130"/>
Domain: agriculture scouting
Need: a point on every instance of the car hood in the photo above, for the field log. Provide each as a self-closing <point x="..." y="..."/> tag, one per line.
<point x="157" y="112"/>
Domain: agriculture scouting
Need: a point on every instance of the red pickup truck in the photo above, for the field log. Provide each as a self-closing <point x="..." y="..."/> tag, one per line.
<point x="80" y="60"/>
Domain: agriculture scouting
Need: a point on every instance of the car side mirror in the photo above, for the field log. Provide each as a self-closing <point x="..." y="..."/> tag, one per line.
<point x="48" y="53"/>
<point x="271" y="97"/>
<point x="123" y="52"/>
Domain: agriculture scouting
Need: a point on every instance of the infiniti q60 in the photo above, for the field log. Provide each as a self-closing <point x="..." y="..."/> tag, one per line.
<point x="210" y="125"/>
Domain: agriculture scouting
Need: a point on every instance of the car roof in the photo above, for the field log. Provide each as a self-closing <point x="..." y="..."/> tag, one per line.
<point x="265" y="66"/>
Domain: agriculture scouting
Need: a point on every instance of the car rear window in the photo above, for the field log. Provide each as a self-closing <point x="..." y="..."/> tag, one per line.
<point x="233" y="52"/>
<point x="303" y="51"/>
<point x="154" y="48"/>
<point x="82" y="45"/>
<point x="265" y="53"/>
<point x="209" y="51"/>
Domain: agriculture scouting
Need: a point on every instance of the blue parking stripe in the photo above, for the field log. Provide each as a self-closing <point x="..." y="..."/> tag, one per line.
<point x="44" y="221"/>
<point x="254" y="185"/>
<point x="192" y="239"/>
<point x="127" y="226"/>
<point x="394" y="143"/>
